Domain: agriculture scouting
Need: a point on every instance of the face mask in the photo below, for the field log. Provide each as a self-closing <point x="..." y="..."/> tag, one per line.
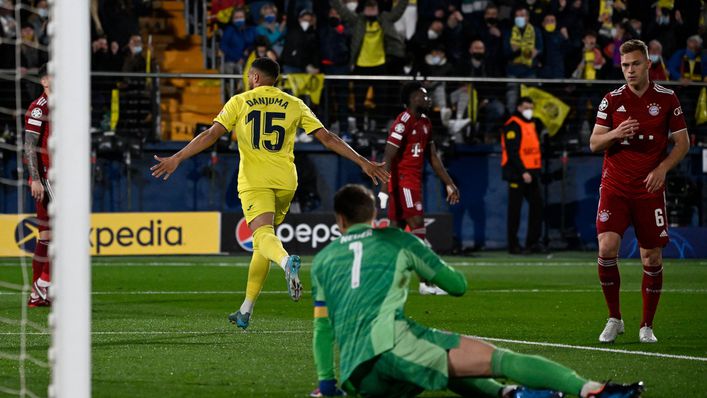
<point x="690" y="54"/>
<point x="664" y="20"/>
<point x="432" y="35"/>
<point x="269" y="19"/>
<point x="520" y="22"/>
<point x="478" y="56"/>
<point x="655" y="58"/>
<point x="371" y="18"/>
<point x="550" y="27"/>
<point x="43" y="12"/>
<point x="527" y="114"/>
<point x="491" y="21"/>
<point x="351" y="6"/>
<point x="530" y="2"/>
<point x="304" y="25"/>
<point x="334" y="22"/>
<point x="137" y="50"/>
<point x="433" y="59"/>
<point x="613" y="32"/>
<point x="239" y="23"/>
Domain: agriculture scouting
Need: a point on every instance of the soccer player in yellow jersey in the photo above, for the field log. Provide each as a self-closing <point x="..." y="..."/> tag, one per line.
<point x="266" y="120"/>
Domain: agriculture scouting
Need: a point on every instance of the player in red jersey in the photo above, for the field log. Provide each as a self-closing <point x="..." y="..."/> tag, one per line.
<point x="633" y="126"/>
<point x="37" y="132"/>
<point x="409" y="139"/>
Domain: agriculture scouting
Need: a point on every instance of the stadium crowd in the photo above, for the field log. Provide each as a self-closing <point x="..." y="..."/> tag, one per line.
<point x="551" y="39"/>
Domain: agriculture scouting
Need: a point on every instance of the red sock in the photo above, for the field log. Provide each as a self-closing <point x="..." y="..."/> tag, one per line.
<point x="40" y="259"/>
<point x="650" y="290"/>
<point x="610" y="284"/>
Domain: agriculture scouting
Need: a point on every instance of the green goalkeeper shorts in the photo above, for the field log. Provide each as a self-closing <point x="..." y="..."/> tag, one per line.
<point x="417" y="362"/>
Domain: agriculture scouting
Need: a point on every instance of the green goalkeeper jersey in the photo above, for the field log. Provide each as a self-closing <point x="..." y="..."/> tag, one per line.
<point x="362" y="280"/>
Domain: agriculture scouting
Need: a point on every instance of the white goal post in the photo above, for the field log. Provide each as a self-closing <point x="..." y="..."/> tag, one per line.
<point x="70" y="321"/>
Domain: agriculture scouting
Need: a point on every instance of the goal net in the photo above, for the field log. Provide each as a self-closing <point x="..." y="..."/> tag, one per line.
<point x="45" y="352"/>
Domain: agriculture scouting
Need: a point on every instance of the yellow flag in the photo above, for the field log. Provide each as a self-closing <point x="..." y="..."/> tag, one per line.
<point x="306" y="84"/>
<point x="701" y="111"/>
<point x="548" y="108"/>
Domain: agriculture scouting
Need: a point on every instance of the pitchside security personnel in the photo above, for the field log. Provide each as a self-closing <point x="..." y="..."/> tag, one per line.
<point x="521" y="160"/>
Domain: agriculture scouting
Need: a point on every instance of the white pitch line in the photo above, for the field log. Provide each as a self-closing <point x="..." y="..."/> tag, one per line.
<point x="216" y="292"/>
<point x="586" y="348"/>
<point x="495" y="339"/>
<point x="162" y="332"/>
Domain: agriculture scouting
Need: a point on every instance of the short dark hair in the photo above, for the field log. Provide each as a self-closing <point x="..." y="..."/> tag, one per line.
<point x="524" y="100"/>
<point x="42" y="71"/>
<point x="355" y="203"/>
<point x="408" y="89"/>
<point x="267" y="66"/>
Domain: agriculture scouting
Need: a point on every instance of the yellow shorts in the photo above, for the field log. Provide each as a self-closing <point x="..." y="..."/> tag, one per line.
<point x="259" y="201"/>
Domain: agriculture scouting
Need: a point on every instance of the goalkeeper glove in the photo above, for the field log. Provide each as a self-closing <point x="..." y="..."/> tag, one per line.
<point x="383" y="197"/>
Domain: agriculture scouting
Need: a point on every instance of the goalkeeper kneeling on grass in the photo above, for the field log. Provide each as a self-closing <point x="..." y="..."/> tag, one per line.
<point x="360" y="284"/>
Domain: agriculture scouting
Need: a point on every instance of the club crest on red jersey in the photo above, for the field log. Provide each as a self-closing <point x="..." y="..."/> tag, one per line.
<point x="653" y="109"/>
<point x="604" y="215"/>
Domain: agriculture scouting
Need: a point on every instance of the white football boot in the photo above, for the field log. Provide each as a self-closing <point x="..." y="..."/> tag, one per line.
<point x="645" y="335"/>
<point x="613" y="328"/>
<point x="429" y="289"/>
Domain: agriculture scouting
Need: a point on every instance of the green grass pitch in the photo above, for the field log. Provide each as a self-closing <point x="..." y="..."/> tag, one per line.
<point x="160" y="328"/>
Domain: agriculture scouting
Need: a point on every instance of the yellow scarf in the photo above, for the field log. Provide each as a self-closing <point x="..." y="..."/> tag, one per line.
<point x="589" y="72"/>
<point x="526" y="42"/>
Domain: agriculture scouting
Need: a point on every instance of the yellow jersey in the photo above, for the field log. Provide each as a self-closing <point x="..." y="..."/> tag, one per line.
<point x="265" y="120"/>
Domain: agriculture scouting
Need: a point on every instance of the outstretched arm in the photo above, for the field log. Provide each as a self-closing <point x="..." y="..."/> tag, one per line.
<point x="438" y="167"/>
<point x="166" y="166"/>
<point x="332" y="142"/>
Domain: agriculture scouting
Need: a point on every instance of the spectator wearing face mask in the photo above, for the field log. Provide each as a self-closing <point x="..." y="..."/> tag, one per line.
<point x="589" y="68"/>
<point x="572" y="14"/>
<point x="376" y="49"/>
<point x="236" y="42"/>
<point x="489" y="31"/>
<point x="425" y="40"/>
<point x="523" y="45"/>
<point x="658" y="71"/>
<point x="39" y="22"/>
<point x="488" y="111"/>
<point x="688" y="64"/>
<point x="301" y="52"/>
<point x="335" y="45"/>
<point x="270" y="28"/>
<point x="556" y="48"/>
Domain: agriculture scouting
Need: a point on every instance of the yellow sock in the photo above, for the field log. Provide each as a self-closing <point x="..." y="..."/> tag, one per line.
<point x="257" y="273"/>
<point x="268" y="245"/>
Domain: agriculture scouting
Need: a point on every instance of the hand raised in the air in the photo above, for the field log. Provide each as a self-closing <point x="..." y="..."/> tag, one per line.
<point x="376" y="171"/>
<point x="452" y="194"/>
<point x="165" y="167"/>
<point x="655" y="179"/>
<point x="626" y="129"/>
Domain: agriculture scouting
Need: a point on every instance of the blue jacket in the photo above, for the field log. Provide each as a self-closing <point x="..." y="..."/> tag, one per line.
<point x="675" y="63"/>
<point x="235" y="42"/>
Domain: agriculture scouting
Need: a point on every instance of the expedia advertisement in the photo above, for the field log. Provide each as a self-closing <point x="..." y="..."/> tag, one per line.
<point x="115" y="234"/>
<point x="308" y="233"/>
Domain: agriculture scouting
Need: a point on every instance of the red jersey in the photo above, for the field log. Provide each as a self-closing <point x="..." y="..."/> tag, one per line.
<point x="37" y="121"/>
<point x="627" y="163"/>
<point x="411" y="136"/>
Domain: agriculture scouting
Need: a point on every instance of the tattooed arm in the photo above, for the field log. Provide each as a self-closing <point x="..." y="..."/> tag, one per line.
<point x="31" y="141"/>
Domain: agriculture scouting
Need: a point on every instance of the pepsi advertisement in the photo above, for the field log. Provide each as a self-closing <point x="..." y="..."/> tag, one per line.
<point x="310" y="232"/>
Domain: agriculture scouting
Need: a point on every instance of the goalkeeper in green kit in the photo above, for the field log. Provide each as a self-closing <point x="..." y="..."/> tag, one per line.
<point x="360" y="285"/>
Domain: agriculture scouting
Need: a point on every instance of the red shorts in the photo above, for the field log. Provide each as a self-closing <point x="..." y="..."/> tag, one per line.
<point x="647" y="215"/>
<point x="405" y="200"/>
